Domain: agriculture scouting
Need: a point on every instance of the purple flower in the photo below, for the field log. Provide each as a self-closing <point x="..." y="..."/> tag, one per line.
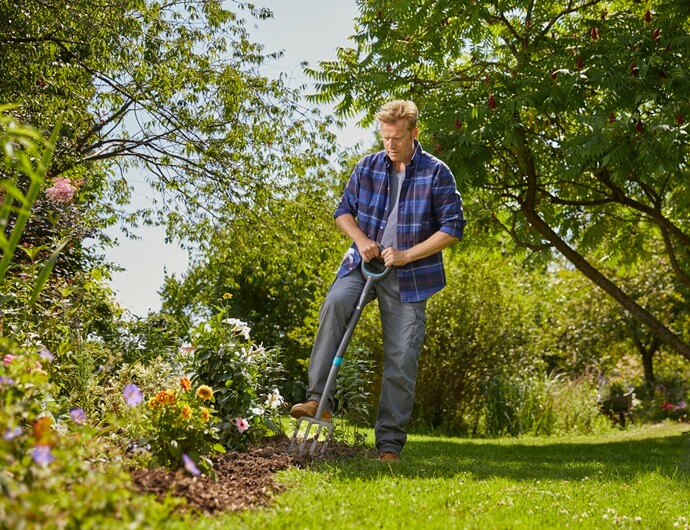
<point x="78" y="416"/>
<point x="11" y="434"/>
<point x="46" y="355"/>
<point x="4" y="380"/>
<point x="132" y="395"/>
<point x="190" y="466"/>
<point x="42" y="455"/>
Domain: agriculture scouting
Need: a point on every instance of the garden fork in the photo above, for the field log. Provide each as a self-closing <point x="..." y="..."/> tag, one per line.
<point x="372" y="277"/>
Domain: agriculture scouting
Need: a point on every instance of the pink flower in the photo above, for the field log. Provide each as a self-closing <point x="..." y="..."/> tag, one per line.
<point x="8" y="359"/>
<point x="242" y="424"/>
<point x="61" y="191"/>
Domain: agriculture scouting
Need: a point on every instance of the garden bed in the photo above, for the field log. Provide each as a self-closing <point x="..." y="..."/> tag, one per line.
<point x="245" y="480"/>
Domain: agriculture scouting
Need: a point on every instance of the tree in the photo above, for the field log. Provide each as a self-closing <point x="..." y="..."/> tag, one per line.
<point x="569" y="115"/>
<point x="170" y="89"/>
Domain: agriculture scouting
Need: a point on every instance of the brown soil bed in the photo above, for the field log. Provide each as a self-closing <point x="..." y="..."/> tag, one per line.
<point x="245" y="480"/>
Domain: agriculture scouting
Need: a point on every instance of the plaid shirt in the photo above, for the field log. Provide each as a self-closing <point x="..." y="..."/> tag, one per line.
<point x="429" y="201"/>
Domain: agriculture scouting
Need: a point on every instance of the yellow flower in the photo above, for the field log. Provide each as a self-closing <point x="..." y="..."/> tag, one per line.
<point x="153" y="403"/>
<point x="185" y="383"/>
<point x="205" y="414"/>
<point x="187" y="412"/>
<point x="227" y="296"/>
<point x="204" y="392"/>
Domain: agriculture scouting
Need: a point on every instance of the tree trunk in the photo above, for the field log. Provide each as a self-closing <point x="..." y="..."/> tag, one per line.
<point x="639" y="313"/>
<point x="648" y="357"/>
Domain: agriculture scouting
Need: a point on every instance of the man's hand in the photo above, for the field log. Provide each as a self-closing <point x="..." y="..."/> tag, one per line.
<point x="368" y="249"/>
<point x="393" y="257"/>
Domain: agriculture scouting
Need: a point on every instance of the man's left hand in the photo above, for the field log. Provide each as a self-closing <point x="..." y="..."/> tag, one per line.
<point x="393" y="257"/>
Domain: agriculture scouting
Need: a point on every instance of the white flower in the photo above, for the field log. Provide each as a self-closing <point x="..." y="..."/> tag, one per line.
<point x="238" y="327"/>
<point x="274" y="400"/>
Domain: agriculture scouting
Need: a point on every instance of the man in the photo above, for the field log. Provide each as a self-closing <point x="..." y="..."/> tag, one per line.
<point x="400" y="205"/>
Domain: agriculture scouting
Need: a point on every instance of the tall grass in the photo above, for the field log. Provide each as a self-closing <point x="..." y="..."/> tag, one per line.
<point x="541" y="405"/>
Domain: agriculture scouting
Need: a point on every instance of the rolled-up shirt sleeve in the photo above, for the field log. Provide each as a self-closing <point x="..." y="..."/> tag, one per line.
<point x="348" y="202"/>
<point x="447" y="204"/>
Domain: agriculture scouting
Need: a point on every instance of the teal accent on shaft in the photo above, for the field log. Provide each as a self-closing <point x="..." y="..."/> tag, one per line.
<point x="337" y="361"/>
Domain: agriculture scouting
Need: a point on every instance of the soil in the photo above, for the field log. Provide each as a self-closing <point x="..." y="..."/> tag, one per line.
<point x="245" y="480"/>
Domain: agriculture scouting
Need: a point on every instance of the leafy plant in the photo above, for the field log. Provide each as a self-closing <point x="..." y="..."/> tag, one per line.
<point x="243" y="376"/>
<point x="182" y="425"/>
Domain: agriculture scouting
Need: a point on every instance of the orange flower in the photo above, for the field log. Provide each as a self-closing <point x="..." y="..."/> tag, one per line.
<point x="162" y="398"/>
<point x="185" y="383"/>
<point x="205" y="414"/>
<point x="204" y="392"/>
<point x="187" y="412"/>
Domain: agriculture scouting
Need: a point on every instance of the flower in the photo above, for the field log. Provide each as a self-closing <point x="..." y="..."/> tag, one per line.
<point x="162" y="398"/>
<point x="274" y="400"/>
<point x="61" y="191"/>
<point x="238" y="327"/>
<point x="132" y="395"/>
<point x="190" y="466"/>
<point x="7" y="360"/>
<point x="205" y="392"/>
<point x="42" y="455"/>
<point x="205" y="414"/>
<point x="186" y="412"/>
<point x="227" y="296"/>
<point x="242" y="424"/>
<point x="78" y="416"/>
<point x="46" y="355"/>
<point x="4" y="380"/>
<point x="11" y="434"/>
<point x="185" y="383"/>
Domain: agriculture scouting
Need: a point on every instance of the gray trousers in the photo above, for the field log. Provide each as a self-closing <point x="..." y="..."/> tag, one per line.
<point x="403" y="327"/>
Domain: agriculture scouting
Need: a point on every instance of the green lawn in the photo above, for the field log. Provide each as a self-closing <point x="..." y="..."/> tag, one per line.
<point x="639" y="478"/>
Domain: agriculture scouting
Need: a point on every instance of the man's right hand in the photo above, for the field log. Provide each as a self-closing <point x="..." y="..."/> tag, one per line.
<point x="368" y="249"/>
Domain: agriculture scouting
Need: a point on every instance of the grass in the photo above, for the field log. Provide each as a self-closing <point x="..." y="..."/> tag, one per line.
<point x="638" y="478"/>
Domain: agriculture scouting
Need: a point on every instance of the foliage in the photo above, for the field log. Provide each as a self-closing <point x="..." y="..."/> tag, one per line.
<point x="485" y="323"/>
<point x="21" y="146"/>
<point x="502" y="89"/>
<point x="243" y="375"/>
<point x="277" y="275"/>
<point x="353" y="395"/>
<point x="170" y="91"/>
<point x="47" y="450"/>
<point x="180" y="424"/>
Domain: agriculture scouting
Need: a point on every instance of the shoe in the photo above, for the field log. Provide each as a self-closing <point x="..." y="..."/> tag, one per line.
<point x="387" y="456"/>
<point x="308" y="409"/>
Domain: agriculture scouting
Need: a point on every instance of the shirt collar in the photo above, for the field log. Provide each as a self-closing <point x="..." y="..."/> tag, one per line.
<point x="415" y="156"/>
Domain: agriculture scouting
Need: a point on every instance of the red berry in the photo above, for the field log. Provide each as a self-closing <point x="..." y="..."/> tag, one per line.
<point x="639" y="126"/>
<point x="656" y="33"/>
<point x="648" y="16"/>
<point x="612" y="117"/>
<point x="634" y="70"/>
<point x="579" y="63"/>
<point x="458" y="123"/>
<point x="389" y="67"/>
<point x="679" y="119"/>
<point x="492" y="102"/>
<point x="594" y="34"/>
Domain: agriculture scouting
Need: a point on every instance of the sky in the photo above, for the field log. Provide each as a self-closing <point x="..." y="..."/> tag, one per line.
<point x="306" y="30"/>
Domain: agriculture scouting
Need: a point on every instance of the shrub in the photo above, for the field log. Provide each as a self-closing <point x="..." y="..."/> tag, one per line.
<point x="244" y="377"/>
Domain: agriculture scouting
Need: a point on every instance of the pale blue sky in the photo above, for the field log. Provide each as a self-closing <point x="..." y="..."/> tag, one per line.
<point x="307" y="30"/>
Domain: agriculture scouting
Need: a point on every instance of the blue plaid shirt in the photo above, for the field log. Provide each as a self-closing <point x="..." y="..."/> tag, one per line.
<point x="429" y="201"/>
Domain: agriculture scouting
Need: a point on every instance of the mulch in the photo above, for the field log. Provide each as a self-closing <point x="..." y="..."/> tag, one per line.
<point x="244" y="480"/>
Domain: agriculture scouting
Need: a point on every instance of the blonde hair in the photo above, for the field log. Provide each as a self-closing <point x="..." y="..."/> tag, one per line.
<point x="396" y="110"/>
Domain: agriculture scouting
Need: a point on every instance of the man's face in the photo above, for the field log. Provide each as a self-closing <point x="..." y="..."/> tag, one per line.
<point x="398" y="141"/>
